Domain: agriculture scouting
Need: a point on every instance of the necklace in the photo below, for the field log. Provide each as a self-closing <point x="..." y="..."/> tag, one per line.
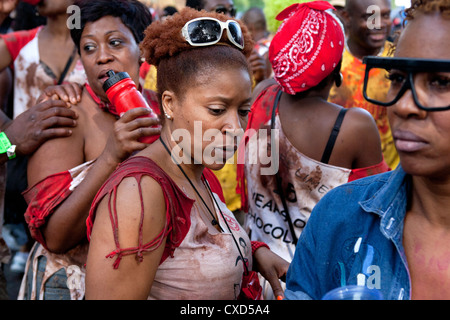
<point x="214" y="220"/>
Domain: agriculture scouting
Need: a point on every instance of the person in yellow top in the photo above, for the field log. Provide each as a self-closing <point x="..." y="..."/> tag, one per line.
<point x="366" y="36"/>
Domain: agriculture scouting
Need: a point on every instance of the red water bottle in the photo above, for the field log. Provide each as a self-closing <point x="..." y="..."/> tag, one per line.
<point x="123" y="95"/>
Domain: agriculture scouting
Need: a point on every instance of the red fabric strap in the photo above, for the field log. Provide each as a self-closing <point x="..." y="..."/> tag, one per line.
<point x="104" y="106"/>
<point x="258" y="244"/>
<point x="368" y="171"/>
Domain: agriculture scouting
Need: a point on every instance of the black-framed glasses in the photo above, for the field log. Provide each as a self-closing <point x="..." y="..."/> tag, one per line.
<point x="208" y="31"/>
<point x="226" y="11"/>
<point x="428" y="80"/>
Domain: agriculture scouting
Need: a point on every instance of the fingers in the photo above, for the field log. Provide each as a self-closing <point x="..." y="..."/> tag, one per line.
<point x="51" y="133"/>
<point x="53" y="108"/>
<point x="138" y="119"/>
<point x="136" y="113"/>
<point x="67" y="92"/>
<point x="278" y="291"/>
<point x="255" y="57"/>
<point x="129" y="132"/>
<point x="52" y="119"/>
<point x="57" y="122"/>
<point x="139" y="128"/>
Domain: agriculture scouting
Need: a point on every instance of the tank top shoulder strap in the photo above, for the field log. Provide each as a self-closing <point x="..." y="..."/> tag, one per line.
<point x="334" y="133"/>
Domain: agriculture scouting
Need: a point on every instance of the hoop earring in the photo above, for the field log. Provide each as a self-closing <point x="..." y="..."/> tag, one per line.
<point x="339" y="79"/>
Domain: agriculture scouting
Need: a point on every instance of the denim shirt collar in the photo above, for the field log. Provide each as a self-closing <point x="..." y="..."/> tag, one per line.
<point x="390" y="202"/>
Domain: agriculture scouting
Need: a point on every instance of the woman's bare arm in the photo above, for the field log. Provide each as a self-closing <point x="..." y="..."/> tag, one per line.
<point x="132" y="279"/>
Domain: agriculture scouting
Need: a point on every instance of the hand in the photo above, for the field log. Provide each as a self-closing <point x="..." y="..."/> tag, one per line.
<point x="69" y="92"/>
<point x="272" y="267"/>
<point x="46" y="120"/>
<point x="258" y="65"/>
<point x="133" y="125"/>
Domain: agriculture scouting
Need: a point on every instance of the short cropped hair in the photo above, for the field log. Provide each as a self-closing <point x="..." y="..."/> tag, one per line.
<point x="133" y="14"/>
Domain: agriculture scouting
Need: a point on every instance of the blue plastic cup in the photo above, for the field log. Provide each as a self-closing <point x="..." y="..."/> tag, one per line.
<point x="353" y="293"/>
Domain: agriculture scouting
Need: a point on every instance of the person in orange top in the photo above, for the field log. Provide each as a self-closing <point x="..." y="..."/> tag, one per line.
<point x="362" y="40"/>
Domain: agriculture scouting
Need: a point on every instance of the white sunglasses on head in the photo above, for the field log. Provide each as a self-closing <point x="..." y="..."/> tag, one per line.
<point x="206" y="31"/>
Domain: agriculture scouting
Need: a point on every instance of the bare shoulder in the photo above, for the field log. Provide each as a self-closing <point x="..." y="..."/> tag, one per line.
<point x="139" y="201"/>
<point x="56" y="155"/>
<point x="361" y="120"/>
<point x="362" y="138"/>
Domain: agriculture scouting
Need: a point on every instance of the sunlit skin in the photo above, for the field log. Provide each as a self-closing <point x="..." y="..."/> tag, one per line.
<point x="422" y="140"/>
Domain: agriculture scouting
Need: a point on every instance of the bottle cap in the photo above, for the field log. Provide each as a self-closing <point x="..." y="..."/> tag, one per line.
<point x="114" y="78"/>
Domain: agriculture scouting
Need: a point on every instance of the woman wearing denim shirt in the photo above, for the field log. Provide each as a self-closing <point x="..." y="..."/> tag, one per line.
<point x="391" y="231"/>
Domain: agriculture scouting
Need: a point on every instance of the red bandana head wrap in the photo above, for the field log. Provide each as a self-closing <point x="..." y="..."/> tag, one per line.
<point x="307" y="47"/>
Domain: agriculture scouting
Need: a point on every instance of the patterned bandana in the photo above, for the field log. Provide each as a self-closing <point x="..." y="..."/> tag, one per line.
<point x="307" y="47"/>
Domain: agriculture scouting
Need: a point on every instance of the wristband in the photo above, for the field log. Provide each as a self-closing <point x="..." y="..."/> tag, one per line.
<point x="258" y="244"/>
<point x="6" y="146"/>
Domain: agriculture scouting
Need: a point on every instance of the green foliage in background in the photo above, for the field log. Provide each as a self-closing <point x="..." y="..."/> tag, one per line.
<point x="243" y="5"/>
<point x="271" y="9"/>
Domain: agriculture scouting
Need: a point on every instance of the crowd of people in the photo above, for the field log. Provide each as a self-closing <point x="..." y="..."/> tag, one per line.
<point x="274" y="170"/>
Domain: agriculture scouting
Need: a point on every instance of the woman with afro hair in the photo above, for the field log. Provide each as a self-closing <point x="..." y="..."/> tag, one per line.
<point x="161" y="210"/>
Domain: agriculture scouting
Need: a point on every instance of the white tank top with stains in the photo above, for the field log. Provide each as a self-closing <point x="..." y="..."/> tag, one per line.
<point x="32" y="76"/>
<point x="304" y="181"/>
